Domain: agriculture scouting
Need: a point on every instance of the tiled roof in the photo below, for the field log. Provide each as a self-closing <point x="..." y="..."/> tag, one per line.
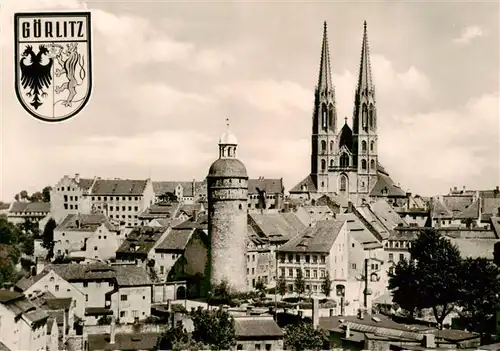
<point x="131" y="275"/>
<point x="7" y="296"/>
<point x="161" y="210"/>
<point x="85" y="222"/>
<point x="491" y="205"/>
<point x="294" y="221"/>
<point x="26" y="282"/>
<point x="163" y="187"/>
<point x="369" y="218"/>
<point x="386" y="214"/>
<point x="345" y="137"/>
<point x="136" y="341"/>
<point x="57" y="315"/>
<point x="318" y="213"/>
<point x="3" y="347"/>
<point x="475" y="248"/>
<point x="190" y="209"/>
<point x="114" y="187"/>
<point x="335" y="324"/>
<point x="273" y="226"/>
<point x="176" y="240"/>
<point x="81" y="272"/>
<point x="36" y="315"/>
<point x="455" y="206"/>
<point x="59" y="303"/>
<point x="26" y="207"/>
<point x="140" y="240"/>
<point x="270" y="186"/>
<point x="19" y="305"/>
<point x="255" y="327"/>
<point x="319" y="238"/>
<point x="359" y="231"/>
<point x="84" y="183"/>
<point x="200" y="223"/>
<point x="385" y="186"/>
<point x="308" y="182"/>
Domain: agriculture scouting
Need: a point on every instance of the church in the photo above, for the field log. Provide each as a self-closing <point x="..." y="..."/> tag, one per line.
<point x="345" y="162"/>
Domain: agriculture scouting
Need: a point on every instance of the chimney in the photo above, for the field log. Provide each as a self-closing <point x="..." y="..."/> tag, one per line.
<point x="315" y="312"/>
<point x="77" y="177"/>
<point x="347" y="331"/>
<point x="349" y="207"/>
<point x="429" y="341"/>
<point x="112" y="330"/>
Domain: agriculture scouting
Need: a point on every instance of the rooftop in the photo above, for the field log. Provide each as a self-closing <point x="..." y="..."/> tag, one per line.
<point x="136" y="341"/>
<point x="85" y="222"/>
<point x="114" y="187"/>
<point x="30" y="207"/>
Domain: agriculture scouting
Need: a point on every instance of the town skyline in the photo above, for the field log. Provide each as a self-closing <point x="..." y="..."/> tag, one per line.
<point x="438" y="114"/>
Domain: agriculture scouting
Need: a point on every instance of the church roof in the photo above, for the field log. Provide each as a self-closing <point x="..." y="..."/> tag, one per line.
<point x="308" y="183"/>
<point x="385" y="186"/>
<point x="325" y="75"/>
<point x="345" y="137"/>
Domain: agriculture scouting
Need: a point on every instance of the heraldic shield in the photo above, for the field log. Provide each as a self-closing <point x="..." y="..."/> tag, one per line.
<point x="53" y="63"/>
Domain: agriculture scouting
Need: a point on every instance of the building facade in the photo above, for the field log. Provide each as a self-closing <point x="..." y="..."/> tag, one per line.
<point x="345" y="162"/>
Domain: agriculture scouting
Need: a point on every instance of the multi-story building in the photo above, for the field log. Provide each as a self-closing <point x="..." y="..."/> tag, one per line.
<point x="20" y="211"/>
<point x="266" y="194"/>
<point x="23" y="326"/>
<point x="456" y="210"/>
<point x="346" y="162"/>
<point x="187" y="192"/>
<point x="89" y="236"/>
<point x="122" y="200"/>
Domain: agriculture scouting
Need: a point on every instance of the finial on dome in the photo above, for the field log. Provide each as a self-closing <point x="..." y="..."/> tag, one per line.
<point x="227" y="123"/>
<point x="364" y="24"/>
<point x="345" y="119"/>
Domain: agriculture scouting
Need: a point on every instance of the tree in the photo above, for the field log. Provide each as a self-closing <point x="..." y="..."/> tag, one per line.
<point x="23" y="195"/>
<point x="48" y="237"/>
<point x="28" y="245"/>
<point x="168" y="197"/>
<point x="326" y="286"/>
<point x="480" y="299"/>
<point x="172" y="337"/>
<point x="9" y="233"/>
<point x="303" y="336"/>
<point x="300" y="284"/>
<point x="260" y="287"/>
<point x="36" y="197"/>
<point x="214" y="328"/>
<point x="46" y="193"/>
<point x="281" y="287"/>
<point x="432" y="279"/>
<point x="30" y="227"/>
<point x="9" y="257"/>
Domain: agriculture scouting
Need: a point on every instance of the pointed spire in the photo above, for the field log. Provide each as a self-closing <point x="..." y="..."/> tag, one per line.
<point x="365" y="73"/>
<point x="325" y="75"/>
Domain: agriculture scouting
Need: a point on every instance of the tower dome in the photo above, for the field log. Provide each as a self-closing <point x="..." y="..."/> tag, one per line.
<point x="228" y="138"/>
<point x="228" y="165"/>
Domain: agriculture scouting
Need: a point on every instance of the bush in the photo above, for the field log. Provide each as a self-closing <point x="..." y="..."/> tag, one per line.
<point x="271" y="291"/>
<point x="305" y="305"/>
<point x="177" y="307"/>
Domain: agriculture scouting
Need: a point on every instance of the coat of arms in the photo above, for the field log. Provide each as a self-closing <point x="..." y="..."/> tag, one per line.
<point x="53" y="63"/>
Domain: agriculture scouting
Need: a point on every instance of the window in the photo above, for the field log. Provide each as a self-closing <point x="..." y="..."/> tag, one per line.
<point x="343" y="183"/>
<point x="268" y="347"/>
<point x="57" y="287"/>
<point x="331" y="145"/>
<point x="391" y="257"/>
<point x="290" y="272"/>
<point x="308" y="258"/>
<point x="282" y="272"/>
<point x="323" y="259"/>
<point x="136" y="208"/>
<point x="123" y="297"/>
<point x="162" y="269"/>
<point x="85" y="284"/>
<point x="372" y="164"/>
<point x="52" y="279"/>
<point x="86" y="298"/>
<point x="123" y="314"/>
<point x="239" y="347"/>
<point x="363" y="146"/>
<point x="323" y="146"/>
<point x="290" y="258"/>
<point x="353" y="265"/>
<point x="401" y="257"/>
<point x="297" y="258"/>
<point x="344" y="160"/>
<point x="257" y="346"/>
<point x="308" y="273"/>
<point x="323" y="165"/>
<point x="363" y="164"/>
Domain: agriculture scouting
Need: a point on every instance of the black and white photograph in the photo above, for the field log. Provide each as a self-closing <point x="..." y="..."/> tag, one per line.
<point x="258" y="175"/>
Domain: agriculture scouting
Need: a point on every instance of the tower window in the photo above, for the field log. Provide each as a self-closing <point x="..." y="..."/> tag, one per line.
<point x="323" y="116"/>
<point x="240" y="207"/>
<point x="331" y="163"/>
<point x="344" y="160"/>
<point x="372" y="164"/>
<point x="343" y="183"/>
<point x="323" y="146"/>
<point x="372" y="145"/>
<point x="331" y="145"/>
<point x="364" y="117"/>
<point x="363" y="146"/>
<point x="331" y="121"/>
<point x="363" y="164"/>
<point x="323" y="165"/>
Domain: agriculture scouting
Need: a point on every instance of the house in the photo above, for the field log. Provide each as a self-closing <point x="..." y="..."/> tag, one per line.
<point x="416" y="212"/>
<point x="456" y="211"/>
<point x="48" y="281"/>
<point x="138" y="247"/>
<point x="35" y="212"/>
<point x="185" y="191"/>
<point x="23" y="326"/>
<point x="87" y="235"/>
<point x="122" y="200"/>
<point x="61" y="309"/>
<point x="130" y="300"/>
<point x="311" y="214"/>
<point x="265" y="194"/>
<point x="260" y="260"/>
<point x="258" y="333"/>
<point x="379" y="332"/>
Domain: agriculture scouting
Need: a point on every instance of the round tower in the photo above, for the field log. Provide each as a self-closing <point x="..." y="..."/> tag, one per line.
<point x="227" y="185"/>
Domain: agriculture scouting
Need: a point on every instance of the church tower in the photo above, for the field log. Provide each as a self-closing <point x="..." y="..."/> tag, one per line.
<point x="227" y="185"/>
<point x="324" y="122"/>
<point x="365" y="124"/>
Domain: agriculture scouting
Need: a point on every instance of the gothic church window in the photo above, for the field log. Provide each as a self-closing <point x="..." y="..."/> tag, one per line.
<point x="323" y="165"/>
<point x="331" y="163"/>
<point x="330" y="116"/>
<point x="372" y="117"/>
<point x="372" y="145"/>
<point x="363" y="146"/>
<point x="364" y="116"/>
<point x="363" y="164"/>
<point x="372" y="164"/>
<point x="323" y="116"/>
<point x="323" y="146"/>
<point x="331" y="145"/>
<point x="344" y="160"/>
<point x="343" y="183"/>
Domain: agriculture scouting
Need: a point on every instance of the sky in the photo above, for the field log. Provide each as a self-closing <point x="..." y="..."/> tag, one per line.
<point x="166" y="75"/>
